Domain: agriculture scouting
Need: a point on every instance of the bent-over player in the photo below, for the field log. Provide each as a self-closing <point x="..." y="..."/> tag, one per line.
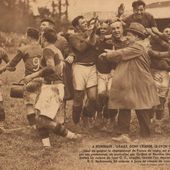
<point x="52" y="90"/>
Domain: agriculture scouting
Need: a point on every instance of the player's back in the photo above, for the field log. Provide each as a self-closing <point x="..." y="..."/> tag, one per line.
<point x="52" y="51"/>
<point x="32" y="54"/>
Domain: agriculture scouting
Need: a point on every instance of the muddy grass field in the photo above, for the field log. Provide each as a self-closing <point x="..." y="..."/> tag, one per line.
<point x="22" y="150"/>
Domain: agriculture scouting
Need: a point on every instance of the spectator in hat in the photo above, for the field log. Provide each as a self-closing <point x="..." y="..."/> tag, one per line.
<point x="132" y="86"/>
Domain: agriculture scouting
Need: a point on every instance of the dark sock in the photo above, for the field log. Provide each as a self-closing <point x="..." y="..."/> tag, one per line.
<point x="90" y="109"/>
<point x="106" y="113"/>
<point x="31" y="119"/>
<point x="2" y="114"/>
<point x="76" y="114"/>
<point x="159" y="114"/>
<point x="86" y="112"/>
<point x="60" y="130"/>
<point x="43" y="132"/>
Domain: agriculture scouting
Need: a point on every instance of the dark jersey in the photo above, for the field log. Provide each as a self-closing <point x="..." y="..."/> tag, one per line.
<point x="147" y="20"/>
<point x="51" y="52"/>
<point x="31" y="55"/>
<point x="62" y="45"/>
<point x="159" y="63"/>
<point x="84" y="52"/>
<point x="119" y="44"/>
<point x="103" y="66"/>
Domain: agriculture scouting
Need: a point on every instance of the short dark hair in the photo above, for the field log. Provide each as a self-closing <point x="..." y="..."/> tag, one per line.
<point x="50" y="35"/>
<point x="75" y="21"/>
<point x="33" y="33"/>
<point x="137" y="3"/>
<point x="48" y="20"/>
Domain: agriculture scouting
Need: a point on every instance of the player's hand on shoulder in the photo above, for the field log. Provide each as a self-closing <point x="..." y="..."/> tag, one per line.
<point x="70" y="59"/>
<point x="102" y="56"/>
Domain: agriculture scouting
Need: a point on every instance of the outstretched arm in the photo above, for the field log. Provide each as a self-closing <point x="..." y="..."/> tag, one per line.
<point x="13" y="63"/>
<point x="125" y="54"/>
<point x="157" y="54"/>
<point x="41" y="73"/>
<point x="81" y="44"/>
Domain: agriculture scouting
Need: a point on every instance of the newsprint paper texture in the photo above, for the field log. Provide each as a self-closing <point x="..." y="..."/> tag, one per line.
<point x="21" y="147"/>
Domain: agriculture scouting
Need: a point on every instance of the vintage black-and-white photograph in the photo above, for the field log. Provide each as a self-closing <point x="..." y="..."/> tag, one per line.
<point x="84" y="84"/>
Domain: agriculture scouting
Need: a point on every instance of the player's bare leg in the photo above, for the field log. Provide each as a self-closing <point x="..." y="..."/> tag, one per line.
<point x="90" y="107"/>
<point x="45" y="125"/>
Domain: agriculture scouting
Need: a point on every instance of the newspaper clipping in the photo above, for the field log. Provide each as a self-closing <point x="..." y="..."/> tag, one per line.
<point x="84" y="84"/>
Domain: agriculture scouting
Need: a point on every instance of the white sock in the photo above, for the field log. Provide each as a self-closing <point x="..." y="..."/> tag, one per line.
<point x="46" y="142"/>
<point x="70" y="135"/>
<point x="33" y="127"/>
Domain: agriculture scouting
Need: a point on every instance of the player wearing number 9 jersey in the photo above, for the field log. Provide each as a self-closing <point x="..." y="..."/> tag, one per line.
<point x="31" y="55"/>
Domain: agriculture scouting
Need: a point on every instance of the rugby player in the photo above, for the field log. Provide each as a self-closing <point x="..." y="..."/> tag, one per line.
<point x="104" y="77"/>
<point x="82" y="43"/>
<point x="3" y="57"/>
<point x="52" y="91"/>
<point x="62" y="44"/>
<point x="31" y="55"/>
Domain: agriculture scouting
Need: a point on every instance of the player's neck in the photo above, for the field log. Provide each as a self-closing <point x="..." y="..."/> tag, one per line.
<point x="33" y="41"/>
<point x="48" y="44"/>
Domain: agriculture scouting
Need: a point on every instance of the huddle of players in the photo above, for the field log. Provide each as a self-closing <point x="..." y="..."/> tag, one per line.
<point x="44" y="76"/>
<point x="87" y="44"/>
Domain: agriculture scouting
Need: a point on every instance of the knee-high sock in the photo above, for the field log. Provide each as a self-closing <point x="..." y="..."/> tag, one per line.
<point x="90" y="109"/>
<point x="76" y="114"/>
<point x="60" y="130"/>
<point x="2" y="114"/>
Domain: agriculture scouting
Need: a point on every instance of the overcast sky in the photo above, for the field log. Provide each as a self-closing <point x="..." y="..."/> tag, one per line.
<point x="77" y="7"/>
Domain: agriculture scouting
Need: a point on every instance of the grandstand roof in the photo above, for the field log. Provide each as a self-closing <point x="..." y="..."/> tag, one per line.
<point x="160" y="10"/>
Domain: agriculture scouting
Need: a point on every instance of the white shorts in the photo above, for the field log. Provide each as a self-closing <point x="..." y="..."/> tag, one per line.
<point x="104" y="83"/>
<point x="84" y="76"/>
<point x="50" y="99"/>
<point x="162" y="82"/>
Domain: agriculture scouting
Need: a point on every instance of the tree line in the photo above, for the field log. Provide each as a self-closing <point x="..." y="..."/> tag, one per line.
<point x="16" y="15"/>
